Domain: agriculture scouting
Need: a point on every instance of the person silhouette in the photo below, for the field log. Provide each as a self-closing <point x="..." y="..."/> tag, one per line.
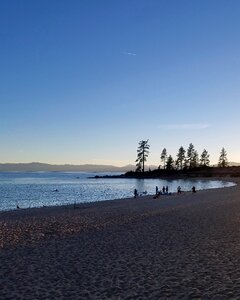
<point x="135" y="193"/>
<point x="179" y="190"/>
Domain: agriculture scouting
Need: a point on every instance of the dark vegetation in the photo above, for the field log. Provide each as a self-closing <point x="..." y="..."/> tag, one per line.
<point x="186" y="173"/>
<point x="188" y="163"/>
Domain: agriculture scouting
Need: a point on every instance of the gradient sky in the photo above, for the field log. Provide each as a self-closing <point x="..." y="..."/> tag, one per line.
<point x="85" y="81"/>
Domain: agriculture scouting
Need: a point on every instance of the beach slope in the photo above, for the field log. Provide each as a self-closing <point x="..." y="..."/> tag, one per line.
<point x="180" y="246"/>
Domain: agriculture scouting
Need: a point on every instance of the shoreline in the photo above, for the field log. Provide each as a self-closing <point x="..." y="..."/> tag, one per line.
<point x="176" y="246"/>
<point x="225" y="179"/>
<point x="54" y="211"/>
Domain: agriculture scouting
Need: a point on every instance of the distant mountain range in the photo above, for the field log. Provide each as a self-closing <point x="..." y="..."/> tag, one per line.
<point x="234" y="164"/>
<point x="38" y="167"/>
<point x="230" y="164"/>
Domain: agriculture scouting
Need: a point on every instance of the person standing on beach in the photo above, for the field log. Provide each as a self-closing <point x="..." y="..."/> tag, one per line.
<point x="166" y="189"/>
<point x="163" y="189"/>
<point x="135" y="193"/>
<point x="179" y="190"/>
<point x="156" y="190"/>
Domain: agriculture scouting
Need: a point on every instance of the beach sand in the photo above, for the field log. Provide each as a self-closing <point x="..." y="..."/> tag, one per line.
<point x="176" y="247"/>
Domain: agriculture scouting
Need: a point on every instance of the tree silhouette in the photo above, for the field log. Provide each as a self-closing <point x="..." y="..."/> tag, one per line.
<point x="191" y="156"/>
<point x="138" y="167"/>
<point x="204" y="160"/>
<point x="223" y="158"/>
<point x="170" y="162"/>
<point x="164" y="157"/>
<point x="180" y="158"/>
<point x="195" y="160"/>
<point x="142" y="154"/>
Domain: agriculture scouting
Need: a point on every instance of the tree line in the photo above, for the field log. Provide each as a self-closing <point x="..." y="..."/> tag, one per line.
<point x="185" y="159"/>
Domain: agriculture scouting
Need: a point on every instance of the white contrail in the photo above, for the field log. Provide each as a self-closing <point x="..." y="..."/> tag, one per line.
<point x="129" y="53"/>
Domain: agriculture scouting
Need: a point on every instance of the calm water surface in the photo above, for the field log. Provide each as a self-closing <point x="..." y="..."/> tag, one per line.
<point x="39" y="188"/>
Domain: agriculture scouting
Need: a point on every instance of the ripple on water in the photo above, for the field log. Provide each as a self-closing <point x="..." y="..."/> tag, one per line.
<point x="57" y="188"/>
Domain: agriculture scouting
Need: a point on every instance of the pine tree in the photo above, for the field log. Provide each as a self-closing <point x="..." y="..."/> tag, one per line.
<point x="170" y="162"/>
<point x="190" y="156"/>
<point x="223" y="158"/>
<point x="204" y="160"/>
<point x="195" y="159"/>
<point x="180" y="158"/>
<point x="142" y="154"/>
<point x="138" y="167"/>
<point x="164" y="157"/>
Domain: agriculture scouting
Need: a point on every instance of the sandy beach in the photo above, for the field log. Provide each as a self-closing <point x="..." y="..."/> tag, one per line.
<point x="176" y="247"/>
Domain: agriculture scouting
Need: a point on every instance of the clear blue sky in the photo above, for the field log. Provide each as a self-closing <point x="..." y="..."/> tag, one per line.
<point x="85" y="81"/>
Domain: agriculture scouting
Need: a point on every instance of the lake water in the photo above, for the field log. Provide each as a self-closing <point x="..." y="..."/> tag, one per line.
<point x="39" y="188"/>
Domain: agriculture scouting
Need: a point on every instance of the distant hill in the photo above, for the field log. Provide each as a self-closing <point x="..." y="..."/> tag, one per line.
<point x="234" y="164"/>
<point x="36" y="167"/>
<point x="233" y="171"/>
<point x="230" y="164"/>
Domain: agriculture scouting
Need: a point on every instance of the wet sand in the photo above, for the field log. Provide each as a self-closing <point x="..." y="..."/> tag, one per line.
<point x="176" y="247"/>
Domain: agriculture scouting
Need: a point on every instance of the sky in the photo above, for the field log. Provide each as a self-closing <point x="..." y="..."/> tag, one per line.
<point x="84" y="81"/>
